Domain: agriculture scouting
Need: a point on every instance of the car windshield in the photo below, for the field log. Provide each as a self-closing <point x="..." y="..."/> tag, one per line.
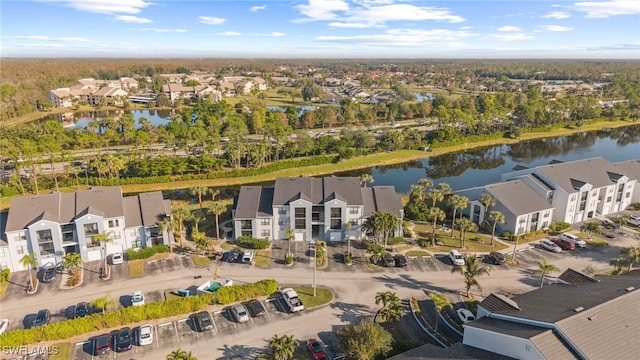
<point x="205" y="320"/>
<point x="145" y="334"/>
<point x="316" y="346"/>
<point x="124" y="337"/>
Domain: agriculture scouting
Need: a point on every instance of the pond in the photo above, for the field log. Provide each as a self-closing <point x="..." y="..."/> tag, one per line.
<point x="71" y="120"/>
<point x="301" y="109"/>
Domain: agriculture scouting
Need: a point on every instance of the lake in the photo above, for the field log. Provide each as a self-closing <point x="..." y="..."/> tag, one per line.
<point x="71" y="120"/>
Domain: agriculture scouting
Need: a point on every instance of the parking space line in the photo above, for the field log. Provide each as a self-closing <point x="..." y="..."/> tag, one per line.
<point x="157" y="338"/>
<point x="215" y="327"/>
<point x="266" y="310"/>
<point x="175" y="327"/>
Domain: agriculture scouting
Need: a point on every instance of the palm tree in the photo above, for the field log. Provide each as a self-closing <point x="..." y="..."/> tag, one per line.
<point x="196" y="217"/>
<point x="289" y="234"/>
<point x="591" y="228"/>
<point x="465" y="226"/>
<point x="488" y="201"/>
<point x="496" y="217"/>
<point x="29" y="261"/>
<point x="104" y="303"/>
<point x="199" y="191"/>
<point x="180" y="354"/>
<point x="441" y="303"/>
<point x="392" y="312"/>
<point x="283" y="346"/>
<point x="457" y="202"/>
<point x="543" y="269"/>
<point x="104" y="239"/>
<point x="217" y="209"/>
<point x="434" y="215"/>
<point x="386" y="298"/>
<point x="169" y="225"/>
<point x="435" y="195"/>
<point x="348" y="226"/>
<point x="180" y="215"/>
<point x="631" y="254"/>
<point x="471" y="270"/>
<point x="71" y="262"/>
<point x="366" y="179"/>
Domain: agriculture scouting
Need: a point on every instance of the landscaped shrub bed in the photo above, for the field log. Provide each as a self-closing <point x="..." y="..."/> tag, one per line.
<point x="249" y="242"/>
<point x="147" y="252"/>
<point x="133" y="314"/>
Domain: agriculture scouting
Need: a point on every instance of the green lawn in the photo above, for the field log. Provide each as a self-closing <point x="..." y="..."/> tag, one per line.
<point x="60" y="351"/>
<point x="475" y="242"/>
<point x="200" y="260"/>
<point x="323" y="296"/>
<point x="417" y="253"/>
<point x="263" y="258"/>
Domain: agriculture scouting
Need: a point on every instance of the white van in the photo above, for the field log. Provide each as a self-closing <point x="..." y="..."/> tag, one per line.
<point x="248" y="257"/>
<point x="456" y="258"/>
<point x="576" y="240"/>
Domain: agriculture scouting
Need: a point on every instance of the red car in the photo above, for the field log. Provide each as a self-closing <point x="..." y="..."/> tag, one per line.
<point x="314" y="347"/>
<point x="564" y="243"/>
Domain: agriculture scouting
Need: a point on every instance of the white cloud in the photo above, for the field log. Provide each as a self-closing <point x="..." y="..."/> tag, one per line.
<point x="509" y="28"/>
<point x="515" y="36"/>
<point x="211" y="20"/>
<point x="606" y="9"/>
<point x="132" y="19"/>
<point x="48" y="38"/>
<point x="402" y="12"/>
<point x="258" y="8"/>
<point x="41" y="45"/>
<point x="402" y="37"/>
<point x="104" y="6"/>
<point x="557" y="15"/>
<point x="158" y="30"/>
<point x="555" y="28"/>
<point x="321" y="10"/>
<point x="274" y="34"/>
<point x="353" y="25"/>
<point x="229" y="33"/>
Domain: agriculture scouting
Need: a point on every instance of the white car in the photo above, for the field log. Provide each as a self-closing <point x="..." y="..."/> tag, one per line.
<point x="456" y="258"/>
<point x="465" y="315"/>
<point x="117" y="258"/>
<point x="240" y="313"/>
<point x="145" y="335"/>
<point x="633" y="220"/>
<point x="137" y="299"/>
<point x="550" y="246"/>
<point x="4" y="323"/>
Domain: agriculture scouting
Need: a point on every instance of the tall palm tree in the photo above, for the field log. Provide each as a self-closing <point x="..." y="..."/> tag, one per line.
<point x="457" y="202"/>
<point x="180" y="354"/>
<point x="283" y="346"/>
<point x="488" y="201"/>
<point x="366" y="179"/>
<point x="29" y="261"/>
<point x="631" y="254"/>
<point x="180" y="215"/>
<point x="471" y="271"/>
<point x="543" y="269"/>
<point x="441" y="303"/>
<point x="196" y="217"/>
<point x="71" y="262"/>
<point x="392" y="312"/>
<point x="496" y="217"/>
<point x="170" y="226"/>
<point x="217" y="209"/>
<point x="289" y="234"/>
<point x="104" y="239"/>
<point x="590" y="228"/>
<point x="435" y="195"/>
<point x="348" y="226"/>
<point x="465" y="226"/>
<point x="386" y="298"/>
<point x="199" y="191"/>
<point x="434" y="215"/>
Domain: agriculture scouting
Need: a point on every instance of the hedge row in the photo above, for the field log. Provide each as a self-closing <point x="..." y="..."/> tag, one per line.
<point x="158" y="310"/>
<point x="249" y="242"/>
<point x="147" y="252"/>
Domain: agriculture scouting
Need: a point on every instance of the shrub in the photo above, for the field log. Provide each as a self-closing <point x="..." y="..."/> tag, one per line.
<point x="70" y="328"/>
<point x="506" y="234"/>
<point x="5" y="275"/>
<point x="147" y="252"/>
<point x="249" y="242"/>
<point x="289" y="259"/>
<point x="395" y="240"/>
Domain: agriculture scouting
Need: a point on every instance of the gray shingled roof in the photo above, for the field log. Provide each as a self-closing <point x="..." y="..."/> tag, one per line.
<point x="552" y="346"/>
<point x="631" y="168"/>
<point x="574" y="277"/>
<point x="569" y="175"/>
<point x="381" y="198"/>
<point x="518" y="197"/>
<point x="152" y="207"/>
<point x="457" y="351"/>
<point x="131" y="205"/>
<point x="511" y="328"/>
<point x="498" y="303"/>
<point x="254" y="201"/>
<point x="107" y="200"/>
<point x="317" y="190"/>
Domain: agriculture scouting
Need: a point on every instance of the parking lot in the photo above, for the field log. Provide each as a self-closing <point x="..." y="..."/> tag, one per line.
<point x="182" y="332"/>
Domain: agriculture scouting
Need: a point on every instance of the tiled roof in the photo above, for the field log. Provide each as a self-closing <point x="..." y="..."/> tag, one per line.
<point x="574" y="277"/>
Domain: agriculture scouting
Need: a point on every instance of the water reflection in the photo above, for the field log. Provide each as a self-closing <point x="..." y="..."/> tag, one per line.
<point x="73" y="120"/>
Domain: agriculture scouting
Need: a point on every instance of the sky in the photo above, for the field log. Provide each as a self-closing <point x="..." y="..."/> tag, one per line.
<point x="559" y="29"/>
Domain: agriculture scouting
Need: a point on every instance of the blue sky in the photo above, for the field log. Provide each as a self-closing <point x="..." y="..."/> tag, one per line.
<point x="591" y="29"/>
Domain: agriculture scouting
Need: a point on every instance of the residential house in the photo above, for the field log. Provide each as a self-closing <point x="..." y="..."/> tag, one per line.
<point x="54" y="224"/>
<point x="178" y="91"/>
<point x="108" y="95"/>
<point x="173" y="78"/>
<point x="244" y="86"/>
<point x="579" y="317"/>
<point x="260" y="83"/>
<point x="315" y="208"/>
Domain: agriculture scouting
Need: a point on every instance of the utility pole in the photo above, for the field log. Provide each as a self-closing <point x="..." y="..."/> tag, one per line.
<point x="315" y="265"/>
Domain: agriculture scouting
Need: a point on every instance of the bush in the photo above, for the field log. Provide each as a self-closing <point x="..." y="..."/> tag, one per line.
<point x="289" y="259"/>
<point x="506" y="234"/>
<point x="395" y="240"/>
<point x="559" y="226"/>
<point x="147" y="252"/>
<point x="132" y="314"/>
<point x="249" y="242"/>
<point x="5" y="275"/>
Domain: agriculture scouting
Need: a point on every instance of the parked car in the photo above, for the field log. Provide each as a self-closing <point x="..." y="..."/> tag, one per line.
<point x="145" y="335"/>
<point x="315" y="349"/>
<point x="564" y="243"/>
<point x="248" y="257"/>
<point x="633" y="220"/>
<point x="232" y="256"/>
<point x="203" y="321"/>
<point x="255" y="308"/>
<point x="49" y="273"/>
<point x="388" y="260"/>
<point x="400" y="260"/>
<point x="550" y="246"/>
<point x="610" y="224"/>
<point x="123" y="339"/>
<point x="240" y="313"/>
<point x="465" y="315"/>
<point x="82" y="310"/>
<point x="101" y="345"/>
<point x="117" y="258"/>
<point x="497" y="258"/>
<point x="576" y="240"/>
<point x="137" y="299"/>
<point x="42" y="318"/>
<point x="4" y="323"/>
<point x="456" y="258"/>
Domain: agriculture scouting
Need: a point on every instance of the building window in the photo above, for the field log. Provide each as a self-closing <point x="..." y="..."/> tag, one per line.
<point x="282" y="211"/>
<point x="619" y="194"/>
<point x="246" y="225"/>
<point x="45" y="241"/>
<point x="301" y="218"/>
<point x="583" y="201"/>
<point x="136" y="244"/>
<point x="546" y="214"/>
<point x="626" y="196"/>
<point x="116" y="236"/>
<point x="265" y="222"/>
<point x="336" y="218"/>
<point x="91" y="229"/>
<point x="282" y="221"/>
<point x="21" y="250"/>
<point x="93" y="242"/>
<point x="522" y="220"/>
<point x="608" y="199"/>
<point x="114" y="223"/>
<point x="265" y="234"/>
<point x="22" y="237"/>
<point x="353" y="211"/>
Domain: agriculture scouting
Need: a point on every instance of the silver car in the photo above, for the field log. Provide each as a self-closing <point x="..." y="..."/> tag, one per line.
<point x="240" y="313"/>
<point x="550" y="246"/>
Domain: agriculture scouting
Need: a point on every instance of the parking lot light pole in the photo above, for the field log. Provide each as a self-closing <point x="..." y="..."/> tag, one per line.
<point x="315" y="266"/>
